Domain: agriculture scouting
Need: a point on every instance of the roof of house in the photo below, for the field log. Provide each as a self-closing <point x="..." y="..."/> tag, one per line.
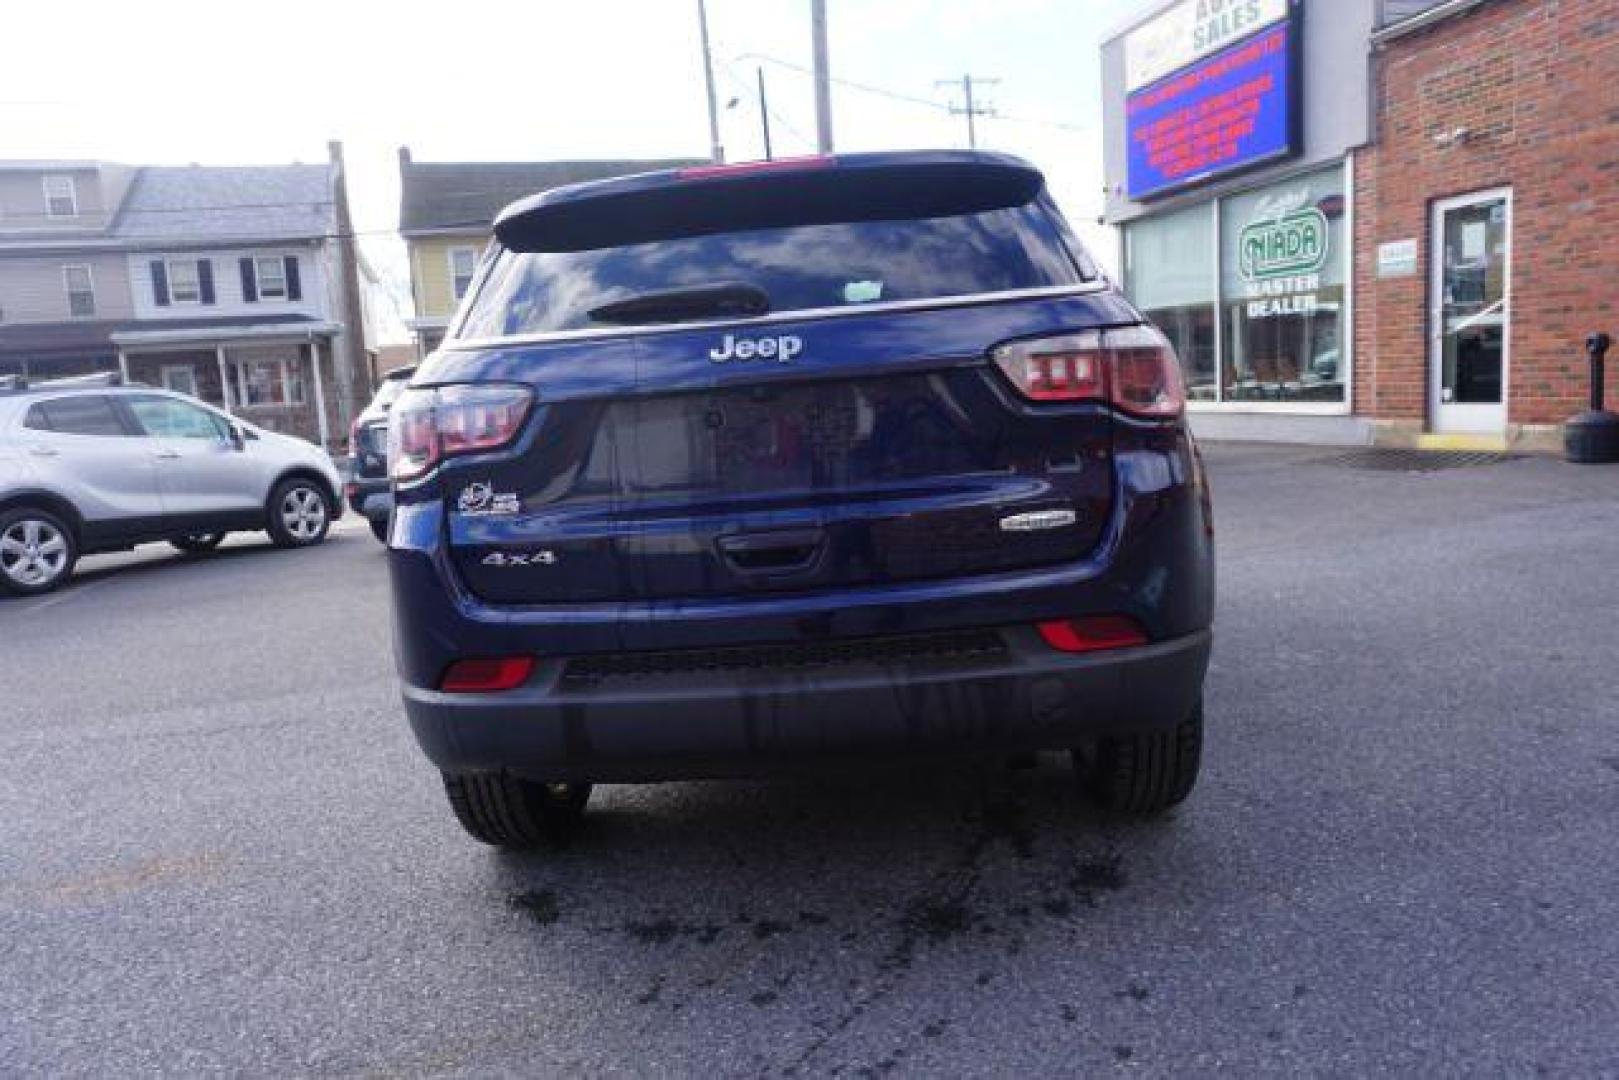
<point x="446" y="195"/>
<point x="194" y="203"/>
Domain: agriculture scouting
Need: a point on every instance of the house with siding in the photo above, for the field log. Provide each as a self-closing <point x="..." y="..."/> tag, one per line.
<point x="447" y="211"/>
<point x="241" y="285"/>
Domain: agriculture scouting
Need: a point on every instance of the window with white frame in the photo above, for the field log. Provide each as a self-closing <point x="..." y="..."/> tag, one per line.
<point x="272" y="277"/>
<point x="261" y="383"/>
<point x="463" y="262"/>
<point x="61" y="197"/>
<point x="185" y="282"/>
<point x="81" y="291"/>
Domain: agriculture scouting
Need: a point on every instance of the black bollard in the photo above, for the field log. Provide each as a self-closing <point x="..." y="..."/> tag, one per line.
<point x="1592" y="437"/>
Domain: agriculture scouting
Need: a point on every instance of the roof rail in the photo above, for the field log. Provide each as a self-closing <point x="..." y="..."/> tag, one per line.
<point x="100" y="378"/>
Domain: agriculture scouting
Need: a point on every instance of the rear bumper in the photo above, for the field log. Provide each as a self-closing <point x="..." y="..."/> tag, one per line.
<point x="694" y="724"/>
<point x="1155" y="565"/>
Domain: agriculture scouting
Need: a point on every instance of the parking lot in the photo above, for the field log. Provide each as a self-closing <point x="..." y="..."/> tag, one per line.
<point x="221" y="852"/>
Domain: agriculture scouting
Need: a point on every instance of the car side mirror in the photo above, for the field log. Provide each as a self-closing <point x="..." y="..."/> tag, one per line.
<point x="238" y="436"/>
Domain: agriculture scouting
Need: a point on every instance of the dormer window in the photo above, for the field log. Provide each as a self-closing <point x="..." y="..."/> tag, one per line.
<point x="61" y="197"/>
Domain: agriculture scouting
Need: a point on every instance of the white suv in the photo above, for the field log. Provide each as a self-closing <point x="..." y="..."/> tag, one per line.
<point x="88" y="467"/>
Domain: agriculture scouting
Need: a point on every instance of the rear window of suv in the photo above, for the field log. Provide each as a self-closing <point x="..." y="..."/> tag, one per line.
<point x="799" y="268"/>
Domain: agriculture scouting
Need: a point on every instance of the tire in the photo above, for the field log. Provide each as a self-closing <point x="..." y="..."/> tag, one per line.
<point x="197" y="543"/>
<point x="503" y="811"/>
<point x="379" y="529"/>
<point x="37" y="551"/>
<point x="299" y="513"/>
<point x="1143" y="774"/>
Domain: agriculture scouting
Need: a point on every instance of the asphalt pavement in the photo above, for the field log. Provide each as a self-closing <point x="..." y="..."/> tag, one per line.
<point x="220" y="851"/>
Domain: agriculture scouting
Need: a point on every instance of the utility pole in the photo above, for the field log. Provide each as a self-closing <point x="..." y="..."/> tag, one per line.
<point x="715" y="150"/>
<point x="764" y="113"/>
<point x="823" y="78"/>
<point x="969" y="108"/>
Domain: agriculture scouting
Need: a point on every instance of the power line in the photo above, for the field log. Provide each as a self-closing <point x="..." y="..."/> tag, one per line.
<point x="852" y="84"/>
<point x="896" y="95"/>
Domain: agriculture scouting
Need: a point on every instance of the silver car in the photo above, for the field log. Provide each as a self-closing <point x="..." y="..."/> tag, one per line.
<point x="91" y="467"/>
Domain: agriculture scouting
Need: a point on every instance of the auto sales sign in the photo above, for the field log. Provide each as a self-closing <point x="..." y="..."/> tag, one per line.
<point x="1211" y="88"/>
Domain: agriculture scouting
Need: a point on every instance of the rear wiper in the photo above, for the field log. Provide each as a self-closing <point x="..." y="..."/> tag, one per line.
<point x="680" y="305"/>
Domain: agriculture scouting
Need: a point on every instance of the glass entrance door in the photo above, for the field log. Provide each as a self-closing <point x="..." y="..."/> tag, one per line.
<point x="1471" y="317"/>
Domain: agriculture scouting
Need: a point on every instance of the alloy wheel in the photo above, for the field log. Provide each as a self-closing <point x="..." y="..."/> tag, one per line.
<point x="303" y="513"/>
<point x="33" y="552"/>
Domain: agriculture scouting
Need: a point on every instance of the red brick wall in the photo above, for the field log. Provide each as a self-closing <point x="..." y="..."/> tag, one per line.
<point x="1536" y="82"/>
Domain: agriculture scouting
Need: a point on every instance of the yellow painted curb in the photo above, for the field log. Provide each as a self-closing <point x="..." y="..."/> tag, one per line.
<point x="1494" y="444"/>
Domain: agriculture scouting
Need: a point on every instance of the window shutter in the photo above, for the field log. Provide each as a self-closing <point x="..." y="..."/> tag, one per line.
<point x="160" y="283"/>
<point x="250" y="281"/>
<point x="295" y="290"/>
<point x="205" y="279"/>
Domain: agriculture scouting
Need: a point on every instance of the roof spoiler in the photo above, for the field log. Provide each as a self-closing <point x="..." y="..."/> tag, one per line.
<point x="720" y="199"/>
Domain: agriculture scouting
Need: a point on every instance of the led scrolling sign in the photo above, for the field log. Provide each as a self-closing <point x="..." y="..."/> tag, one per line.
<point x="1212" y="88"/>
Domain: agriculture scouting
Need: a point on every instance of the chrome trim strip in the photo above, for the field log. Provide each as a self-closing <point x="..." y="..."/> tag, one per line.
<point x="781" y="317"/>
<point x="1039" y="520"/>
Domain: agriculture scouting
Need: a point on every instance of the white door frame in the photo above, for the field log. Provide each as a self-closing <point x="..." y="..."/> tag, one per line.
<point x="1488" y="419"/>
<point x="189" y="370"/>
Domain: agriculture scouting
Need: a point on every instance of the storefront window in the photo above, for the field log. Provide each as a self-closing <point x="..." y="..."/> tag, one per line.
<point x="1283" y="256"/>
<point x="1169" y="274"/>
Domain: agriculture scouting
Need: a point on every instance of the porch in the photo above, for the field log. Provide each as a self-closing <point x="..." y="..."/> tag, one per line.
<point x="275" y="376"/>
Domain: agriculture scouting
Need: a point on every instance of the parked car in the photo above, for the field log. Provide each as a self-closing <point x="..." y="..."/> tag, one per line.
<point x="367" y="489"/>
<point x="735" y="469"/>
<point x="88" y="466"/>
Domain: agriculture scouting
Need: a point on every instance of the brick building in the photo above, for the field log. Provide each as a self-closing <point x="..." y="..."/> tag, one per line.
<point x="1371" y="220"/>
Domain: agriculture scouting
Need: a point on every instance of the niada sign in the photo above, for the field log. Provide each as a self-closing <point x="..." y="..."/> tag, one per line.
<point x="1293" y="243"/>
<point x="1190" y="31"/>
<point x="1280" y="254"/>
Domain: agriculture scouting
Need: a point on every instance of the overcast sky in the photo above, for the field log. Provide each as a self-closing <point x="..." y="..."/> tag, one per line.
<point x="223" y="82"/>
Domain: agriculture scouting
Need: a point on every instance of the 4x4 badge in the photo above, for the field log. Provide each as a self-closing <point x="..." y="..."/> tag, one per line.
<point x="537" y="558"/>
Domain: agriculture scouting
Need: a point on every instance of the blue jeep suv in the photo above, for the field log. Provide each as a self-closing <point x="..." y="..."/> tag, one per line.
<point x="734" y="469"/>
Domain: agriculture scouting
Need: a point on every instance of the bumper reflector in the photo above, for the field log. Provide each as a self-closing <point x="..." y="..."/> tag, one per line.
<point x="1092" y="633"/>
<point x="486" y="674"/>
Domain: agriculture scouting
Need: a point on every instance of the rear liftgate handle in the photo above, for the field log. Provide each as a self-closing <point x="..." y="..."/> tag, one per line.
<point x="785" y="551"/>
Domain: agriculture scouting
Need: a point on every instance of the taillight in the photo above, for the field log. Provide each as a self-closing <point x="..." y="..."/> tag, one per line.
<point x="354" y="438"/>
<point x="1092" y="633"/>
<point x="486" y="675"/>
<point x="428" y="424"/>
<point x="1132" y="368"/>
